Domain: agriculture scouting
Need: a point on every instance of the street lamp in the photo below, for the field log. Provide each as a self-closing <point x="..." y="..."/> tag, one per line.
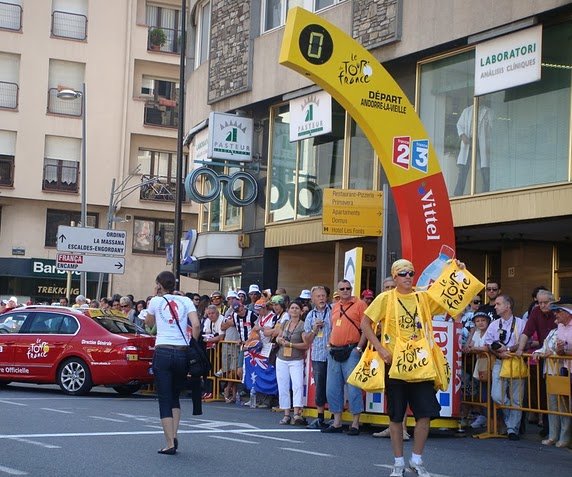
<point x="70" y="94"/>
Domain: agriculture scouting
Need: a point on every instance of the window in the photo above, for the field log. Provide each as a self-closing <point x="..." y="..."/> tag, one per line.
<point x="53" y="323"/>
<point x="11" y="14"/>
<point x="161" y="107"/>
<point x="7" y="154"/>
<point x="61" y="163"/>
<point x="203" y="30"/>
<point x="69" y="19"/>
<point x="163" y="167"/>
<point x="299" y="171"/>
<point x="273" y="13"/>
<point x="319" y="4"/>
<point x="9" y="79"/>
<point x="65" y="75"/>
<point x="12" y="322"/>
<point x="521" y="134"/>
<point x="152" y="235"/>
<point x="164" y="24"/>
<point x="218" y="215"/>
<point x="55" y="218"/>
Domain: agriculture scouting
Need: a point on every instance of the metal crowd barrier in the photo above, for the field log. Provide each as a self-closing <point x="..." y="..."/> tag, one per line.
<point x="537" y="389"/>
<point x="223" y="357"/>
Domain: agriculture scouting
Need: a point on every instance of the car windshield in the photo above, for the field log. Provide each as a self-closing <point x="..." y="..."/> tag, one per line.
<point x="116" y="325"/>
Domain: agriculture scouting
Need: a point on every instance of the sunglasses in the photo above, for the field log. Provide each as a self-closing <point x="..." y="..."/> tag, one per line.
<point x="477" y="302"/>
<point x="408" y="273"/>
<point x="345" y="289"/>
<point x="492" y="289"/>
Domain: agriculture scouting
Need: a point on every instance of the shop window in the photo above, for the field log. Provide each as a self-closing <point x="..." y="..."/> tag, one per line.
<point x="55" y="218"/>
<point x="300" y="171"/>
<point x="152" y="235"/>
<point x="521" y="135"/>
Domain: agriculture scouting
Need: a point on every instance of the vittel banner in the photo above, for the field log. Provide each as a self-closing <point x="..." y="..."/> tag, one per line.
<point x="508" y="61"/>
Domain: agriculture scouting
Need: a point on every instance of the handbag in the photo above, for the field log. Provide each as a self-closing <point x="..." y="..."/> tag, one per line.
<point x="482" y="369"/>
<point x="514" y="368"/>
<point x="199" y="364"/>
<point x="341" y="353"/>
<point x="412" y="358"/>
<point x="369" y="373"/>
<point x="442" y="368"/>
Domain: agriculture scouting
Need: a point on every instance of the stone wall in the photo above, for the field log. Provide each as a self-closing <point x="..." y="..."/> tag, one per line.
<point x="230" y="60"/>
<point x="376" y="22"/>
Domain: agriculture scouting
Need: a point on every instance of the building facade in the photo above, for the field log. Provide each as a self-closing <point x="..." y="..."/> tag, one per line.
<point x="510" y="184"/>
<point x="126" y="53"/>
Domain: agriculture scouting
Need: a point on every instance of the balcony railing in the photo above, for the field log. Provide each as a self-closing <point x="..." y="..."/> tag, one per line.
<point x="8" y="95"/>
<point x="6" y="170"/>
<point x="69" y="25"/>
<point x="162" y="113"/>
<point x="171" y="36"/>
<point x="63" y="106"/>
<point x="162" y="189"/>
<point x="60" y="175"/>
<point x="10" y="16"/>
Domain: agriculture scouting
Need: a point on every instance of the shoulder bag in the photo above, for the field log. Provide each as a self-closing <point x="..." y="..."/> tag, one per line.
<point x="199" y="364"/>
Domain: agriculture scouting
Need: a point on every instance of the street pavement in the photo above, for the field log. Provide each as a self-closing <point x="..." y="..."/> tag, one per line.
<point x="46" y="433"/>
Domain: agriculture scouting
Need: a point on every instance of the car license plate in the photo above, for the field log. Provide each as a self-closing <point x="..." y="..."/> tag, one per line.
<point x="132" y="357"/>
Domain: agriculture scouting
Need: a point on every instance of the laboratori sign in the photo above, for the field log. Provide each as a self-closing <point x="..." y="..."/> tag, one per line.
<point x="508" y="61"/>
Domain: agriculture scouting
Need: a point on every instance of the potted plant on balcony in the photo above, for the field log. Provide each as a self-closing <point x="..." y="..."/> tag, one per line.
<point x="157" y="38"/>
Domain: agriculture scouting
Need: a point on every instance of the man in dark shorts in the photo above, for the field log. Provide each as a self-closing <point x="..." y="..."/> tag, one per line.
<point x="393" y="309"/>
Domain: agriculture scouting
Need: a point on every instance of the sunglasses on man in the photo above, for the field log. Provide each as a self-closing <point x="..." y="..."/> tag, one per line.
<point x="406" y="273"/>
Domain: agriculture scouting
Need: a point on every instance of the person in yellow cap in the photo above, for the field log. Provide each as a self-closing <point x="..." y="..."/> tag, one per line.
<point x="405" y="312"/>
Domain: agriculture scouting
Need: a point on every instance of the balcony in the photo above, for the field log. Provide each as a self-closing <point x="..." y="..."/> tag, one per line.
<point x="8" y="95"/>
<point x="69" y="25"/>
<point x="162" y="112"/>
<point x="166" y="40"/>
<point x="10" y="16"/>
<point x="62" y="106"/>
<point x="60" y="175"/>
<point x="161" y="190"/>
<point x="6" y="170"/>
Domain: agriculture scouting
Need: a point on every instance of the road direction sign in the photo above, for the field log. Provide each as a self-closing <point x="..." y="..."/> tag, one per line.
<point x="91" y="241"/>
<point x="352" y="212"/>
<point x="75" y="262"/>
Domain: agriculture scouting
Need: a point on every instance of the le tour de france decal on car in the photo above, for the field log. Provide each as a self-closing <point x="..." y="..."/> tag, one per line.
<point x="39" y="349"/>
<point x="342" y="67"/>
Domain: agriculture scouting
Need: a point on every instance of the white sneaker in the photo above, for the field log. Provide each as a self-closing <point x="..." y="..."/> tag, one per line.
<point x="384" y="433"/>
<point x="406" y="436"/>
<point x="480" y="421"/>
<point x="419" y="469"/>
<point x="219" y="373"/>
<point x="398" y="471"/>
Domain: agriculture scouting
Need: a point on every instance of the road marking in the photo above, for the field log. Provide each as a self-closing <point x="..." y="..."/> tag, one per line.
<point x="36" y="443"/>
<point x="242" y="441"/>
<point x="107" y="419"/>
<point x="13" y="403"/>
<point x="56" y="410"/>
<point x="273" y="438"/>
<point x="8" y="470"/>
<point x="407" y="469"/>
<point x="319" y="454"/>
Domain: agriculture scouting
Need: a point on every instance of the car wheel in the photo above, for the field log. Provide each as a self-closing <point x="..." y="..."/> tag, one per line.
<point x="127" y="389"/>
<point x="74" y="377"/>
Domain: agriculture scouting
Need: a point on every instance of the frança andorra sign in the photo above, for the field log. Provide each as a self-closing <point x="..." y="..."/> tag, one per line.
<point x="341" y="66"/>
<point x="83" y="249"/>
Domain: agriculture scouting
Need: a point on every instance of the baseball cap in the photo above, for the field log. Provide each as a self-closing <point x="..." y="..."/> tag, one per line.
<point x="241" y="292"/>
<point x="565" y="303"/>
<point x="305" y="295"/>
<point x="253" y="289"/>
<point x="216" y="293"/>
<point x="260" y="303"/>
<point x="278" y="299"/>
<point x="367" y="293"/>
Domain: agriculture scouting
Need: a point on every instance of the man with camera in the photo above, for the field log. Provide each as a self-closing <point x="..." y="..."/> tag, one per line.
<point x="502" y="339"/>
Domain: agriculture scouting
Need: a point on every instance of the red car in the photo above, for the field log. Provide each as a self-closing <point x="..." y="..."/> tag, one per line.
<point x="77" y="349"/>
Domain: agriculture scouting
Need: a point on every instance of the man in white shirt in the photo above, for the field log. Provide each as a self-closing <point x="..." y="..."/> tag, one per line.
<point x="502" y="339"/>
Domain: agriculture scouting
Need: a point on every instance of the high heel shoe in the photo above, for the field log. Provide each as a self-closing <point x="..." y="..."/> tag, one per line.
<point x="169" y="451"/>
<point x="176" y="441"/>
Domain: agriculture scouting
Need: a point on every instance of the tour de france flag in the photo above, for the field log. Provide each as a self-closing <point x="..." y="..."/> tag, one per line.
<point x="455" y="288"/>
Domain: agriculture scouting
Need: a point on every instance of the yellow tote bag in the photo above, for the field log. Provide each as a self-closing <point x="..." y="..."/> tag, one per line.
<point x="369" y="373"/>
<point x="442" y="368"/>
<point x="513" y="368"/>
<point x="454" y="289"/>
